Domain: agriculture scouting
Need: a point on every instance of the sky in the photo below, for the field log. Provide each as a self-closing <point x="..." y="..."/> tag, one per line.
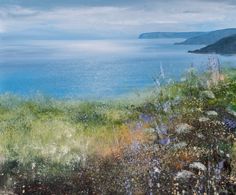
<point x="94" y="19"/>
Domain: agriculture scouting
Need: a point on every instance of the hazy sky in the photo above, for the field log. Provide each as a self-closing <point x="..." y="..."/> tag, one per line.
<point x="111" y="18"/>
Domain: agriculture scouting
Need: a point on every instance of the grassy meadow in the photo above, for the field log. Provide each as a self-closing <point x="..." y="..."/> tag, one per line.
<point x="178" y="138"/>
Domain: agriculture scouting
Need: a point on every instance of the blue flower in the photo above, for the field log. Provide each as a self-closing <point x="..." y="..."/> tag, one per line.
<point x="164" y="141"/>
<point x="230" y="123"/>
<point x="146" y="118"/>
<point x="162" y="130"/>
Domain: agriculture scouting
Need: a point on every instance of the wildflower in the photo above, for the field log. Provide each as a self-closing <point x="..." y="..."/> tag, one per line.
<point x="162" y="74"/>
<point x="230" y="123"/>
<point x="212" y="113"/>
<point x="162" y="129"/>
<point x="164" y="141"/>
<point x="183" y="128"/>
<point x="214" y="70"/>
<point x="198" y="165"/>
<point x="184" y="175"/>
<point x="203" y="119"/>
<point x="146" y="118"/>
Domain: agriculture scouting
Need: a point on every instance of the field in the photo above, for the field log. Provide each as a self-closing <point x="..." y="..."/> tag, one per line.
<point x="176" y="138"/>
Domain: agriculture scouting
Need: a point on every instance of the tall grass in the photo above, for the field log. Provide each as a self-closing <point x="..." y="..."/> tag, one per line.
<point x="41" y="137"/>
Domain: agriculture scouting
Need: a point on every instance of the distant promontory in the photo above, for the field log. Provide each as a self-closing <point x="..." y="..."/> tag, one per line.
<point x="209" y="38"/>
<point x="159" y="35"/>
<point x="226" y="45"/>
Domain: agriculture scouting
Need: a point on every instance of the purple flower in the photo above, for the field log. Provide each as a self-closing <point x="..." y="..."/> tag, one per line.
<point x="138" y="125"/>
<point x="230" y="123"/>
<point x="162" y="129"/>
<point x="221" y="164"/>
<point x="146" y="118"/>
<point x="135" y="146"/>
<point x="164" y="141"/>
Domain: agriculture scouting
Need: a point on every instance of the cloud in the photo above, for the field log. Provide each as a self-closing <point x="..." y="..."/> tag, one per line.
<point x="229" y="2"/>
<point x="48" y="4"/>
<point x="16" y="11"/>
<point x="2" y="28"/>
<point x="110" y="18"/>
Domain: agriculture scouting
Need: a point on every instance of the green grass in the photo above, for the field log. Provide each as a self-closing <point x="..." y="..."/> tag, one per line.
<point x="44" y="127"/>
<point x="56" y="136"/>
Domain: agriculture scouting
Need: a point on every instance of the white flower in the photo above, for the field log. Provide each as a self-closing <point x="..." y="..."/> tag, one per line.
<point x="157" y="170"/>
<point x="33" y="165"/>
<point x="198" y="165"/>
<point x="203" y="119"/>
<point x="184" y="175"/>
<point x="183" y="128"/>
<point x="212" y="113"/>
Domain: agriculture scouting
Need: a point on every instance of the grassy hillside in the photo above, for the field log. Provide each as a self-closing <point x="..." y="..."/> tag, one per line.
<point x="179" y="138"/>
<point x="210" y="37"/>
<point x="224" y="46"/>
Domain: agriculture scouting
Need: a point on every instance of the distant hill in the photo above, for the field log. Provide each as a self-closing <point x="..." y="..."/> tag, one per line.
<point x="210" y="37"/>
<point x="226" y="45"/>
<point x="158" y="35"/>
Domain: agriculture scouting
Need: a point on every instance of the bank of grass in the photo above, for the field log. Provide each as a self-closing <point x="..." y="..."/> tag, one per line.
<point x="43" y="138"/>
<point x="41" y="122"/>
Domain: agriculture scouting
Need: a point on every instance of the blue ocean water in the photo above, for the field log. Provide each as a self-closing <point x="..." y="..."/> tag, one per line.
<point x="93" y="68"/>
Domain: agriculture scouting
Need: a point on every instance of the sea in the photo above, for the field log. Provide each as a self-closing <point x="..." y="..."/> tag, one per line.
<point x="96" y="69"/>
